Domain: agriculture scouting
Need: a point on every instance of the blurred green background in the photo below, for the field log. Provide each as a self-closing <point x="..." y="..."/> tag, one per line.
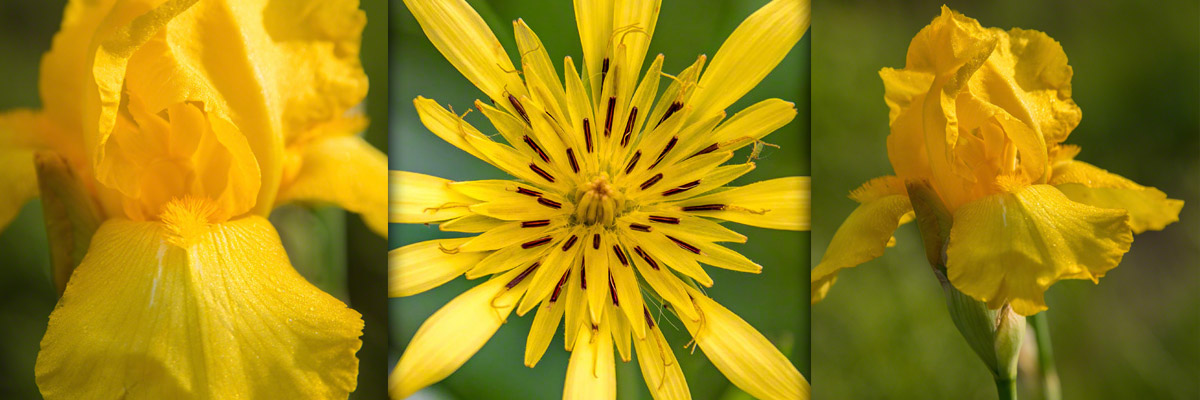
<point x="884" y="331"/>
<point x="331" y="248"/>
<point x="773" y="302"/>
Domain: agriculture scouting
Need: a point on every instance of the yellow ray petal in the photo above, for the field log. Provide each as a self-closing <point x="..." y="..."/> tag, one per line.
<point x="659" y="368"/>
<point x="594" y="20"/>
<point x="1011" y="247"/>
<point x="189" y="309"/>
<point x="18" y="180"/>
<point x="863" y="235"/>
<point x="592" y="372"/>
<point x="594" y="258"/>
<point x="625" y="284"/>
<point x="751" y="124"/>
<point x="539" y="71"/>
<point x="472" y="223"/>
<point x="781" y="203"/>
<point x="512" y="234"/>
<point x="749" y="54"/>
<point x="667" y="252"/>
<point x="420" y="198"/>
<point x="466" y="41"/>
<point x="346" y="171"/>
<point x="545" y="324"/>
<point x="561" y="258"/>
<point x="633" y="27"/>
<point x="1149" y="208"/>
<point x="421" y="266"/>
<point x="742" y="354"/>
<point x="664" y="283"/>
<point x="453" y="334"/>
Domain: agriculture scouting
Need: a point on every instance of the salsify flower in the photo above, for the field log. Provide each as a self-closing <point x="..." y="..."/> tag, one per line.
<point x="615" y="195"/>
<point x="169" y="132"/>
<point x="980" y="116"/>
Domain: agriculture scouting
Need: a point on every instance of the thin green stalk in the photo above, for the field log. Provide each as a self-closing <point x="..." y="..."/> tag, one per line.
<point x="1051" y="389"/>
<point x="1006" y="388"/>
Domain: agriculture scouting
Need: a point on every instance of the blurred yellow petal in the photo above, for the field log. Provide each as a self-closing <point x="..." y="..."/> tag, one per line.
<point x="18" y="180"/>
<point x="1012" y="247"/>
<point x="592" y="372"/>
<point x="190" y="309"/>
<point x="421" y="266"/>
<point x="346" y="171"/>
<point x="448" y="338"/>
<point x="742" y="354"/>
<point x="861" y="238"/>
<point x="420" y="198"/>
<point x="545" y="325"/>
<point x="1149" y="208"/>
<point x="781" y="203"/>
<point x="466" y="41"/>
<point x="749" y="54"/>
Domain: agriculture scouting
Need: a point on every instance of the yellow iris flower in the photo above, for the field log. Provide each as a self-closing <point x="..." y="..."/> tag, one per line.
<point x="980" y="115"/>
<point x="176" y="127"/>
<point x="616" y="196"/>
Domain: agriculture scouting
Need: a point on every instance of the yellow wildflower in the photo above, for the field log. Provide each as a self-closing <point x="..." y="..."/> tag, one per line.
<point x="616" y="195"/>
<point x="981" y="115"/>
<point x="178" y="126"/>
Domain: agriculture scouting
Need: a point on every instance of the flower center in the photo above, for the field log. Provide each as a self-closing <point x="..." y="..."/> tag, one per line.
<point x="597" y="201"/>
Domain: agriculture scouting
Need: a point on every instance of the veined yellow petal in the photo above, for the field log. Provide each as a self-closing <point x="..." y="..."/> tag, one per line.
<point x="747" y="126"/>
<point x="460" y="34"/>
<point x="861" y="238"/>
<point x="189" y="309"/>
<point x="633" y="27"/>
<point x="560" y="259"/>
<point x="594" y="259"/>
<point x="18" y="180"/>
<point x="347" y="171"/>
<point x="448" y="338"/>
<point x="781" y="203"/>
<point x="1011" y="247"/>
<point x="545" y="324"/>
<point x="664" y="283"/>
<point x="659" y="368"/>
<point x="749" y="54"/>
<point x="473" y="223"/>
<point x="665" y="251"/>
<point x="448" y="126"/>
<point x="511" y="234"/>
<point x="539" y="71"/>
<point x="420" y="198"/>
<point x="594" y="20"/>
<point x="1149" y="208"/>
<point x="592" y="372"/>
<point x="625" y="286"/>
<point x="421" y="266"/>
<point x="742" y="354"/>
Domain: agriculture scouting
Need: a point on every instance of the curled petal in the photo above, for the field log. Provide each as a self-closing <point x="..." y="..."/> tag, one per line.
<point x="1011" y="247"/>
<point x="864" y="234"/>
<point x="1149" y="208"/>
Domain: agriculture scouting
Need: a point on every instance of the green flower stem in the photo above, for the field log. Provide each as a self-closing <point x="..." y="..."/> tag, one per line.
<point x="1051" y="390"/>
<point x="1006" y="388"/>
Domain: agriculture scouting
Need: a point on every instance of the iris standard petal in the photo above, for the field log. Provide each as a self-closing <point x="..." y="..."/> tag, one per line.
<point x="1011" y="247"/>
<point x="190" y="309"/>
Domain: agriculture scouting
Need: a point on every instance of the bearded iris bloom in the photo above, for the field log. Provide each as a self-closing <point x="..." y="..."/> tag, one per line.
<point x="169" y="132"/>
<point x="981" y="117"/>
<point x="619" y="189"/>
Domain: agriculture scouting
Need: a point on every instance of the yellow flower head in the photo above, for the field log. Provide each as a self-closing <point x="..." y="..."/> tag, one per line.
<point x="616" y="195"/>
<point x="178" y="126"/>
<point x="980" y="115"/>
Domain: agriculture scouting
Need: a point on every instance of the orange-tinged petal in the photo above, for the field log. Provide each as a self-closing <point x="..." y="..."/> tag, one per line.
<point x="742" y="354"/>
<point x="190" y="309"/>
<point x="1012" y="247"/>
<point x="1149" y="208"/>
